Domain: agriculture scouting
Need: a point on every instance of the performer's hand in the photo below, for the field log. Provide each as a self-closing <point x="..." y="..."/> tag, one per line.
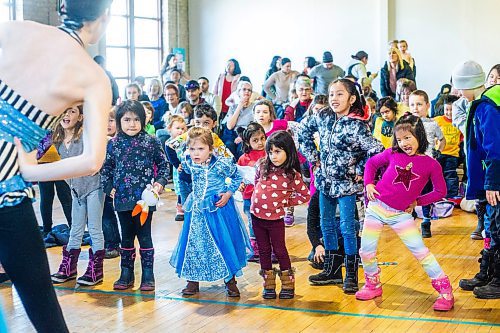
<point x="26" y="160"/>
<point x="224" y="198"/>
<point x="493" y="197"/>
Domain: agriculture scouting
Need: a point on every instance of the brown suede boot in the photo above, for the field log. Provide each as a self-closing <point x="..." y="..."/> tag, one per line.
<point x="191" y="289"/>
<point x="269" y="291"/>
<point x="287" y="284"/>
<point x="231" y="288"/>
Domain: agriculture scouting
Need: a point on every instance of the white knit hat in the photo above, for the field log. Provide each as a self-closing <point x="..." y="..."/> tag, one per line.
<point x="468" y="75"/>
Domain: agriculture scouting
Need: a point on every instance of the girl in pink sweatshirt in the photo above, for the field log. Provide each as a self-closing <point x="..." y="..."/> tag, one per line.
<point x="392" y="199"/>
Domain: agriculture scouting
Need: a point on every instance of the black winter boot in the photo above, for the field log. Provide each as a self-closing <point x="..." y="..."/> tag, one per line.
<point x="426" y="228"/>
<point x="332" y="271"/>
<point x="492" y="289"/>
<point x="485" y="272"/>
<point x="351" y="274"/>
<point x="127" y="277"/>
<point x="148" y="277"/>
<point x="477" y="234"/>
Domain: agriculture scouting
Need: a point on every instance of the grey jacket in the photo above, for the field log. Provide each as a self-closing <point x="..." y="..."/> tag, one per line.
<point x="81" y="186"/>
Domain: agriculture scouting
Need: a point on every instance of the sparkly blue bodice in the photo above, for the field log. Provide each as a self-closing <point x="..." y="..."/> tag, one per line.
<point x="18" y="118"/>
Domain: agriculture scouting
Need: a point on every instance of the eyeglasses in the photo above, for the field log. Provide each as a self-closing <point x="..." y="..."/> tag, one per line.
<point x="303" y="89"/>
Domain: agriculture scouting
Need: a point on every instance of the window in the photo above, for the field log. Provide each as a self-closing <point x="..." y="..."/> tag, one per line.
<point x="133" y="40"/>
<point x="10" y="10"/>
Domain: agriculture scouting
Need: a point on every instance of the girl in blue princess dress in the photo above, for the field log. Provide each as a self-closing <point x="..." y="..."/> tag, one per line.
<point x="214" y="242"/>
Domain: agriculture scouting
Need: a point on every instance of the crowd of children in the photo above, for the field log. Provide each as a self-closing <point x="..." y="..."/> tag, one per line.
<point x="327" y="151"/>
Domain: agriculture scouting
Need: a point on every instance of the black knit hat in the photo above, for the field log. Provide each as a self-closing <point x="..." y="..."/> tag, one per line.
<point x="327" y="57"/>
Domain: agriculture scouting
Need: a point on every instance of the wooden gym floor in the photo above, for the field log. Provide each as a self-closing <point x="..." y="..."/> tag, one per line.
<point x="406" y="305"/>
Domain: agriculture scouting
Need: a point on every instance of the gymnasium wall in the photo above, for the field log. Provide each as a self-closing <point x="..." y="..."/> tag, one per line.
<point x="440" y="34"/>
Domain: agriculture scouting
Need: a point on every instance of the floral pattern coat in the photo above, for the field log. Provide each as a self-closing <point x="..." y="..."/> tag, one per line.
<point x="345" y="144"/>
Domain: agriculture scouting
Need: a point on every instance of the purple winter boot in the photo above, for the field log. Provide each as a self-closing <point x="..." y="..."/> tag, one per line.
<point x="67" y="269"/>
<point x="94" y="273"/>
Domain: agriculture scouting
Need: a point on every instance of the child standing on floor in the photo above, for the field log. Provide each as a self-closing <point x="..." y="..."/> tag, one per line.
<point x="110" y="229"/>
<point x="254" y="143"/>
<point x="213" y="243"/>
<point x="392" y="201"/>
<point x="129" y="166"/>
<point x="86" y="208"/>
<point x="345" y="143"/>
<point x="278" y="184"/>
<point x="176" y="127"/>
<point x="451" y="152"/>
<point x="264" y="113"/>
<point x="206" y="117"/>
<point x="419" y="106"/>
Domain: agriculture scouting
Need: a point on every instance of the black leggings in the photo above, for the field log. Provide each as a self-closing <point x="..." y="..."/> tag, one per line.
<point x="131" y="227"/>
<point x="23" y="257"/>
<point x="47" y="194"/>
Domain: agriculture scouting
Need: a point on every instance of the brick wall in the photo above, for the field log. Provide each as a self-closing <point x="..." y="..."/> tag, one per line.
<point x="176" y="26"/>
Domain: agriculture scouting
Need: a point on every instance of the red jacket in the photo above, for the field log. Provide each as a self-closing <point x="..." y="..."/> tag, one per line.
<point x="250" y="159"/>
<point x="275" y="192"/>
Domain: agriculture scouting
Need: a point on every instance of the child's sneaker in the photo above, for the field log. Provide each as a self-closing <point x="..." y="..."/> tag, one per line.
<point x="289" y="220"/>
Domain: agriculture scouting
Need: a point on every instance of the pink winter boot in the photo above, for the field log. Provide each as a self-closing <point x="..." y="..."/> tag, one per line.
<point x="255" y="248"/>
<point x="372" y="287"/>
<point x="445" y="301"/>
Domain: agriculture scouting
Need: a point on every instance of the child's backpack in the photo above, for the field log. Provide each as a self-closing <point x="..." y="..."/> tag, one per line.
<point x="440" y="209"/>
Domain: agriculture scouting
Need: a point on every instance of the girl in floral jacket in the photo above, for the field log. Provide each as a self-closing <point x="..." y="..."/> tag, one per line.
<point x="129" y="166"/>
<point x="345" y="145"/>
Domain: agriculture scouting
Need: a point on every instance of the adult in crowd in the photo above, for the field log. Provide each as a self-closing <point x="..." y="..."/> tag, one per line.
<point x="395" y="68"/>
<point x="171" y="93"/>
<point x="193" y="93"/>
<point x="101" y="61"/>
<point x="211" y="99"/>
<point x="357" y="65"/>
<point x="168" y="66"/>
<point x="141" y="82"/>
<point x="273" y="68"/>
<point x="297" y="109"/>
<point x="226" y="83"/>
<point x="155" y="94"/>
<point x="325" y="73"/>
<point x="277" y="86"/>
<point x="309" y="63"/>
<point x="175" y="77"/>
<point x="31" y="101"/>
<point x="238" y="118"/>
